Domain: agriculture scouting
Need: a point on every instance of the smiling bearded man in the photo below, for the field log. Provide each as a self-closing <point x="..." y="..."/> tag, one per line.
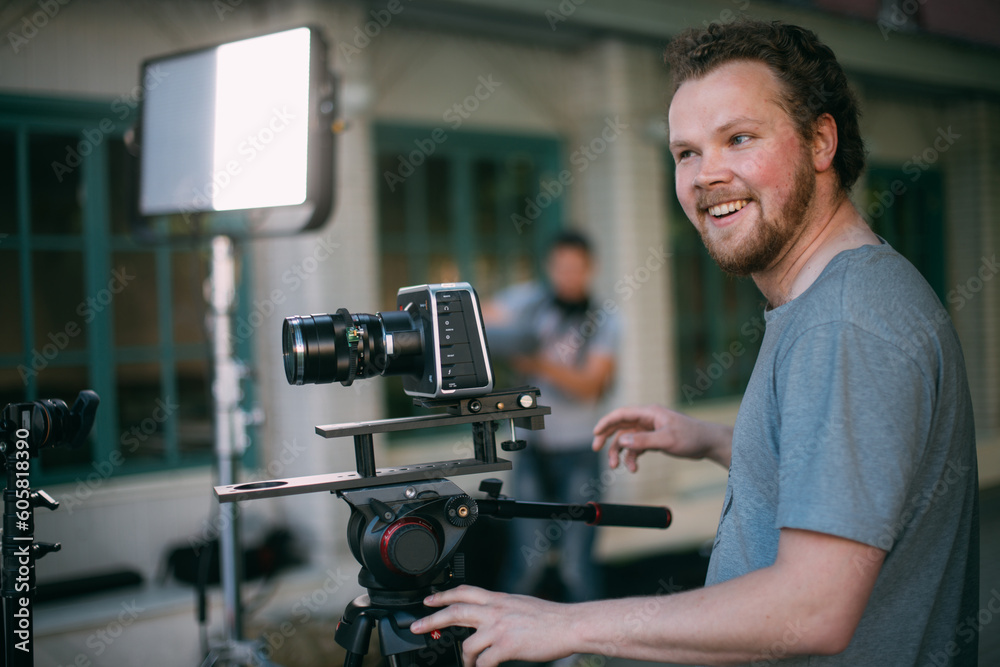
<point x="849" y="531"/>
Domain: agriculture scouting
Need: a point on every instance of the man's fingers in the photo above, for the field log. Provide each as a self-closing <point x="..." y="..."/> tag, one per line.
<point x="463" y="606"/>
<point x="470" y="594"/>
<point x="462" y="615"/>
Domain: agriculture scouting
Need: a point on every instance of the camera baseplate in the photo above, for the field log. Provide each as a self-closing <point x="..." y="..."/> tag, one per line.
<point x="518" y="406"/>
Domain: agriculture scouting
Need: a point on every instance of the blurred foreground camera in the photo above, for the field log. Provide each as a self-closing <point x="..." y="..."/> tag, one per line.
<point x="435" y="340"/>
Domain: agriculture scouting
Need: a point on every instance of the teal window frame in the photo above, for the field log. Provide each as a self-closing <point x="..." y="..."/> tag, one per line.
<point x="907" y="210"/>
<point x="87" y="120"/>
<point x="519" y="235"/>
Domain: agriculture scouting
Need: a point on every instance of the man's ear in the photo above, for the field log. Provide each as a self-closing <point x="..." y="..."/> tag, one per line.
<point x="824" y="142"/>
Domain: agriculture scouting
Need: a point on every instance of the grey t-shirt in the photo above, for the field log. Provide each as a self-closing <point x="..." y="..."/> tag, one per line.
<point x="540" y="327"/>
<point x="857" y="422"/>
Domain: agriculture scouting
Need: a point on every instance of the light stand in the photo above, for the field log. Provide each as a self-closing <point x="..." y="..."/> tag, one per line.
<point x="230" y="443"/>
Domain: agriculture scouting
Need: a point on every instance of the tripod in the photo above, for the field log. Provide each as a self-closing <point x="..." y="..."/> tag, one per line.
<point x="407" y="522"/>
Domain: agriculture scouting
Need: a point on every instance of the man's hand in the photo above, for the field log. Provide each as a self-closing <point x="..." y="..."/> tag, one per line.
<point x="635" y="430"/>
<point x="506" y="626"/>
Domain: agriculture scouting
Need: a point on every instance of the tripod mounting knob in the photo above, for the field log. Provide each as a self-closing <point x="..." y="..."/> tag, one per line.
<point x="43" y="548"/>
<point x="461" y="511"/>
<point x="513" y="445"/>
<point x="40" y="498"/>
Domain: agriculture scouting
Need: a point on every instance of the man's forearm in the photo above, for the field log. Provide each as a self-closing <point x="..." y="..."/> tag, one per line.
<point x="759" y="616"/>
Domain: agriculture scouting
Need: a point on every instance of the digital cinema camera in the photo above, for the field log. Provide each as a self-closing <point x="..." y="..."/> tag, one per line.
<point x="435" y="340"/>
<point x="407" y="522"/>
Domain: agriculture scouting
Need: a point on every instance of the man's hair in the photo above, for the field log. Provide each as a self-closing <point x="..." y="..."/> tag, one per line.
<point x="569" y="238"/>
<point x="814" y="82"/>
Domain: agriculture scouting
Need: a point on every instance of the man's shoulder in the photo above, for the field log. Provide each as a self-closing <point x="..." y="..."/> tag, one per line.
<point x="875" y="290"/>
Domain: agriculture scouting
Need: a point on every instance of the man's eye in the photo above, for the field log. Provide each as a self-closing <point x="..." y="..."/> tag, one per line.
<point x="682" y="155"/>
<point x="741" y="139"/>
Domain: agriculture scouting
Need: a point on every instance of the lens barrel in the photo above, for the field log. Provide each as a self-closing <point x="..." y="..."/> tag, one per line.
<point x="342" y="347"/>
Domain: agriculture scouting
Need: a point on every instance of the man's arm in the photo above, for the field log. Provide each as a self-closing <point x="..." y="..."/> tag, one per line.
<point x="808" y="602"/>
<point x="586" y="382"/>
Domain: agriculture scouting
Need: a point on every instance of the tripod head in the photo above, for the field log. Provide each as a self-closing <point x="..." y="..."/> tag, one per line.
<point x="405" y="536"/>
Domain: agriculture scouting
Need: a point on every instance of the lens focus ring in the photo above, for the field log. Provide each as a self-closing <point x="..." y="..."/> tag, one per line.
<point x="294" y="351"/>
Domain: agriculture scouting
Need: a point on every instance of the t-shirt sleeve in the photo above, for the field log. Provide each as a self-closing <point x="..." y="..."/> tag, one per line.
<point x="513" y="336"/>
<point x="853" y="426"/>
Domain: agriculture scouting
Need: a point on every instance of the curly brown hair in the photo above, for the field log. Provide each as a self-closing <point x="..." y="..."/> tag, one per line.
<point x="814" y="82"/>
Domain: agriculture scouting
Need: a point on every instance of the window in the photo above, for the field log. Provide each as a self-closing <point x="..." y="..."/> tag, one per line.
<point x="720" y="319"/>
<point x="462" y="206"/>
<point x="907" y="210"/>
<point x="89" y="307"/>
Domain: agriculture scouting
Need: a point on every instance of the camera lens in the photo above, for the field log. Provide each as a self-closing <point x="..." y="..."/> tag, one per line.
<point x="342" y="347"/>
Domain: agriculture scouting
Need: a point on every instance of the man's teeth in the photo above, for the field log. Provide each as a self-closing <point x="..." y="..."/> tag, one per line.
<point x="729" y="207"/>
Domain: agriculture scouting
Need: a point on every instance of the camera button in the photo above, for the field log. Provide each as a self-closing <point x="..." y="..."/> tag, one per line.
<point x="456" y="354"/>
<point x="458" y="369"/>
<point x="460" y="382"/>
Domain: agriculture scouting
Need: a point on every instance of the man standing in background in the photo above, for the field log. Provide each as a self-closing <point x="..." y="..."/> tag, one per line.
<point x="548" y="335"/>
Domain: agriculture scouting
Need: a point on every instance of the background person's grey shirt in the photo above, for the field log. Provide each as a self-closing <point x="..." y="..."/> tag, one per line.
<point x="857" y="422"/>
<point x="539" y="327"/>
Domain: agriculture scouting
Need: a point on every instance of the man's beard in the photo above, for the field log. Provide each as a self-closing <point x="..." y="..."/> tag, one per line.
<point x="770" y="237"/>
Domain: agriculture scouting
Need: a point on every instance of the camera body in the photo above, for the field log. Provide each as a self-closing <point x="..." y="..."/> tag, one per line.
<point x="456" y="355"/>
<point x="435" y="340"/>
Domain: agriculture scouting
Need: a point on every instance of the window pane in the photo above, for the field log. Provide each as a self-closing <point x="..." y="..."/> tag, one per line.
<point x="55" y="184"/>
<point x="11" y="387"/>
<point x="142" y="412"/>
<point x="485" y="184"/>
<point x="136" y="301"/>
<point x="119" y="175"/>
<point x="438" y="196"/>
<point x="391" y="201"/>
<point x="189" y="270"/>
<point x="8" y="184"/>
<point x="61" y="310"/>
<point x="64" y="384"/>
<point x="10" y="278"/>
<point x="195" y="408"/>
